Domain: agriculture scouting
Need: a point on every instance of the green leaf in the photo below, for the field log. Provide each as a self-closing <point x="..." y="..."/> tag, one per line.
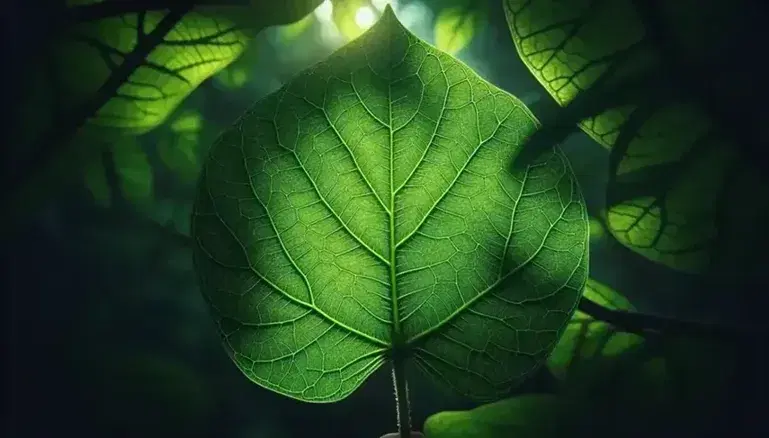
<point x="179" y="148"/>
<point x="585" y="337"/>
<point x="368" y="206"/>
<point x="133" y="169"/>
<point x="597" y="230"/>
<point x="140" y="66"/>
<point x="526" y="416"/>
<point x="290" y="32"/>
<point x="455" y="27"/>
<point x="675" y="173"/>
<point x="133" y="69"/>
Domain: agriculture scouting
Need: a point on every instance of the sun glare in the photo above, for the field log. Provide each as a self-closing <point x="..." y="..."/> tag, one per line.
<point x="365" y="17"/>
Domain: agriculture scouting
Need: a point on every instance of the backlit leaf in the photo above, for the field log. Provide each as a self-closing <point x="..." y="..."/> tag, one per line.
<point x="173" y="60"/>
<point x="368" y="206"/>
<point x="675" y="174"/>
<point x="454" y="28"/>
<point x="586" y="337"/>
<point x="132" y="70"/>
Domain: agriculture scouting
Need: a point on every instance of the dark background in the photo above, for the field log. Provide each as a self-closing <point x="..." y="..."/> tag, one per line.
<point x="107" y="334"/>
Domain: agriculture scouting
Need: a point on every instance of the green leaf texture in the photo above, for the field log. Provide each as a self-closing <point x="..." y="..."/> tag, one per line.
<point x="367" y="207"/>
<point x="675" y="173"/>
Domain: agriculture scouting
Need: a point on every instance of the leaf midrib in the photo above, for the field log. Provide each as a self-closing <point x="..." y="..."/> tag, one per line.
<point x="396" y="336"/>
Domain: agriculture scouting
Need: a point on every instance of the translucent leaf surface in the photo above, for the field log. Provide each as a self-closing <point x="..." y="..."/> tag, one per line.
<point x="369" y="206"/>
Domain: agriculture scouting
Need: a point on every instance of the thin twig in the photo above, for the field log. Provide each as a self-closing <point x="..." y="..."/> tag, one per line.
<point x="648" y="324"/>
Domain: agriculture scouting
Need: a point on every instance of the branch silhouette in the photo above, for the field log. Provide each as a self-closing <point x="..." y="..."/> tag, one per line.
<point x="646" y="324"/>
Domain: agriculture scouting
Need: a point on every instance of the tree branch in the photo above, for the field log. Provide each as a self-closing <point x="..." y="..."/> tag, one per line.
<point x="115" y="8"/>
<point x="647" y="324"/>
<point x="70" y="123"/>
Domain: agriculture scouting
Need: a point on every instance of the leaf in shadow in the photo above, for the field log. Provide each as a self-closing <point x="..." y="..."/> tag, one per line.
<point x="586" y="337"/>
<point x="133" y="67"/>
<point x="632" y="69"/>
<point x="526" y="416"/>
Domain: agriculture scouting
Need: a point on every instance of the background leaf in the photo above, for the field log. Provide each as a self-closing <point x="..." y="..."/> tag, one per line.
<point x="676" y="167"/>
<point x="455" y="27"/>
<point x="585" y="337"/>
<point x="179" y="148"/>
<point x="133" y="70"/>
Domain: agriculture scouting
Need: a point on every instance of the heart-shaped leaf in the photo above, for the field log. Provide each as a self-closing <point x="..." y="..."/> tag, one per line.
<point x="368" y="207"/>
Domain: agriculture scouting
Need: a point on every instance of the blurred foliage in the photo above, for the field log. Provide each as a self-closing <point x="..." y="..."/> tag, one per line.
<point x="586" y="338"/>
<point x="524" y="416"/>
<point x="639" y="392"/>
<point x="132" y="71"/>
<point x="455" y="27"/>
<point x="629" y="72"/>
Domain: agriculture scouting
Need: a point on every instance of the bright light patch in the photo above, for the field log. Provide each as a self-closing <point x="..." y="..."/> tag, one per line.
<point x="365" y="17"/>
<point x="414" y="14"/>
<point x="325" y="11"/>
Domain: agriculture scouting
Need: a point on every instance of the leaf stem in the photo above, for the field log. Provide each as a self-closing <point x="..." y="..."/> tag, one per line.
<point x="648" y="324"/>
<point x="402" y="407"/>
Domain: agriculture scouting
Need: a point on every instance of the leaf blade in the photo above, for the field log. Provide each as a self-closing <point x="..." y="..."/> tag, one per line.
<point x="360" y="185"/>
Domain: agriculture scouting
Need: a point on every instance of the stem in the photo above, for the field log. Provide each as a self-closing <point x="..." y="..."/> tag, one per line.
<point x="647" y="324"/>
<point x="401" y="397"/>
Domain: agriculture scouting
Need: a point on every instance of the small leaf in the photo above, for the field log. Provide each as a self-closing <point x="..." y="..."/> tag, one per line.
<point x="597" y="230"/>
<point x="454" y="28"/>
<point x="369" y="206"/>
<point x="526" y="416"/>
<point x="585" y="337"/>
<point x="232" y="78"/>
<point x="188" y="122"/>
<point x="134" y="170"/>
<point x="180" y="153"/>
<point x="290" y="32"/>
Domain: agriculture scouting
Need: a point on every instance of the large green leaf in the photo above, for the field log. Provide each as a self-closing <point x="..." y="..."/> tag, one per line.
<point x="586" y="337"/>
<point x="675" y="168"/>
<point x="368" y="208"/>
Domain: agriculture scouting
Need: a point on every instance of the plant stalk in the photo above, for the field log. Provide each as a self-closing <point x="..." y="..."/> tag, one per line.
<point x="402" y="407"/>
